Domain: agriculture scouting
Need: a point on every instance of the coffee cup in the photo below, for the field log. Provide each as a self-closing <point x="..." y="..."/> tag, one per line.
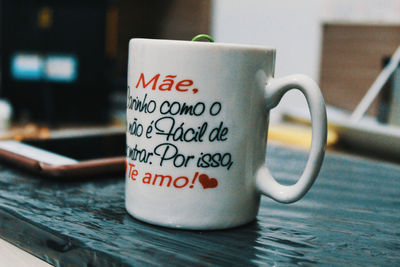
<point x="197" y="122"/>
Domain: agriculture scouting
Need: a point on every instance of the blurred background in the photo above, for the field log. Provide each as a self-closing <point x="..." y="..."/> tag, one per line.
<point x="343" y="44"/>
<point x="64" y="63"/>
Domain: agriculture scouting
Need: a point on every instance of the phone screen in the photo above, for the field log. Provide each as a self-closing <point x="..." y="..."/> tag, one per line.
<point x="84" y="147"/>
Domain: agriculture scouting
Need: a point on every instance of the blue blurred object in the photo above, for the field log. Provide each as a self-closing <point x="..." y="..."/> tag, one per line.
<point x="26" y="67"/>
<point x="52" y="68"/>
<point x="61" y="68"/>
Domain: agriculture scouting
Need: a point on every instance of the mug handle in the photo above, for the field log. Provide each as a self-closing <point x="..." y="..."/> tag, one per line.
<point x="274" y="91"/>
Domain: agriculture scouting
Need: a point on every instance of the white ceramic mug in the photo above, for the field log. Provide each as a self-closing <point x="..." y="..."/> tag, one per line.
<point x="197" y="121"/>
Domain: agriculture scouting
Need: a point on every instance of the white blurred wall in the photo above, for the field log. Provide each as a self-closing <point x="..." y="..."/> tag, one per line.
<point x="294" y="28"/>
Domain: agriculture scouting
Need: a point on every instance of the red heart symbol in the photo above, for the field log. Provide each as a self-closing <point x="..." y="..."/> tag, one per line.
<point x="207" y="182"/>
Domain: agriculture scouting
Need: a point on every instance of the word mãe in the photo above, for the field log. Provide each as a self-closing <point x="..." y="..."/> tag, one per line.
<point x="167" y="84"/>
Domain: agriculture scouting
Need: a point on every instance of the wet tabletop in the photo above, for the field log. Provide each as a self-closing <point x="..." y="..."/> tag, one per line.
<point x="350" y="217"/>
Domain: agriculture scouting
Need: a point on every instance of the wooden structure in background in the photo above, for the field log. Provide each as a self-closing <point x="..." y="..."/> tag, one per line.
<point x="352" y="58"/>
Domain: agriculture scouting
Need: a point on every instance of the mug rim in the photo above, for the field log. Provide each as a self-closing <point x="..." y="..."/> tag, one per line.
<point x="205" y="44"/>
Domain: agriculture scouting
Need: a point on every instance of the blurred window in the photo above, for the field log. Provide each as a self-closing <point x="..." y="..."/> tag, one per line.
<point x="53" y="68"/>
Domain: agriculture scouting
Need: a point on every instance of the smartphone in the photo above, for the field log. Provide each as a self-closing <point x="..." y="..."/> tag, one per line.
<point x="69" y="156"/>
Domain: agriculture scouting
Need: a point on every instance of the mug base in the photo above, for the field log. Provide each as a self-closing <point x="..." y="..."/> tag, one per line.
<point x="209" y="225"/>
